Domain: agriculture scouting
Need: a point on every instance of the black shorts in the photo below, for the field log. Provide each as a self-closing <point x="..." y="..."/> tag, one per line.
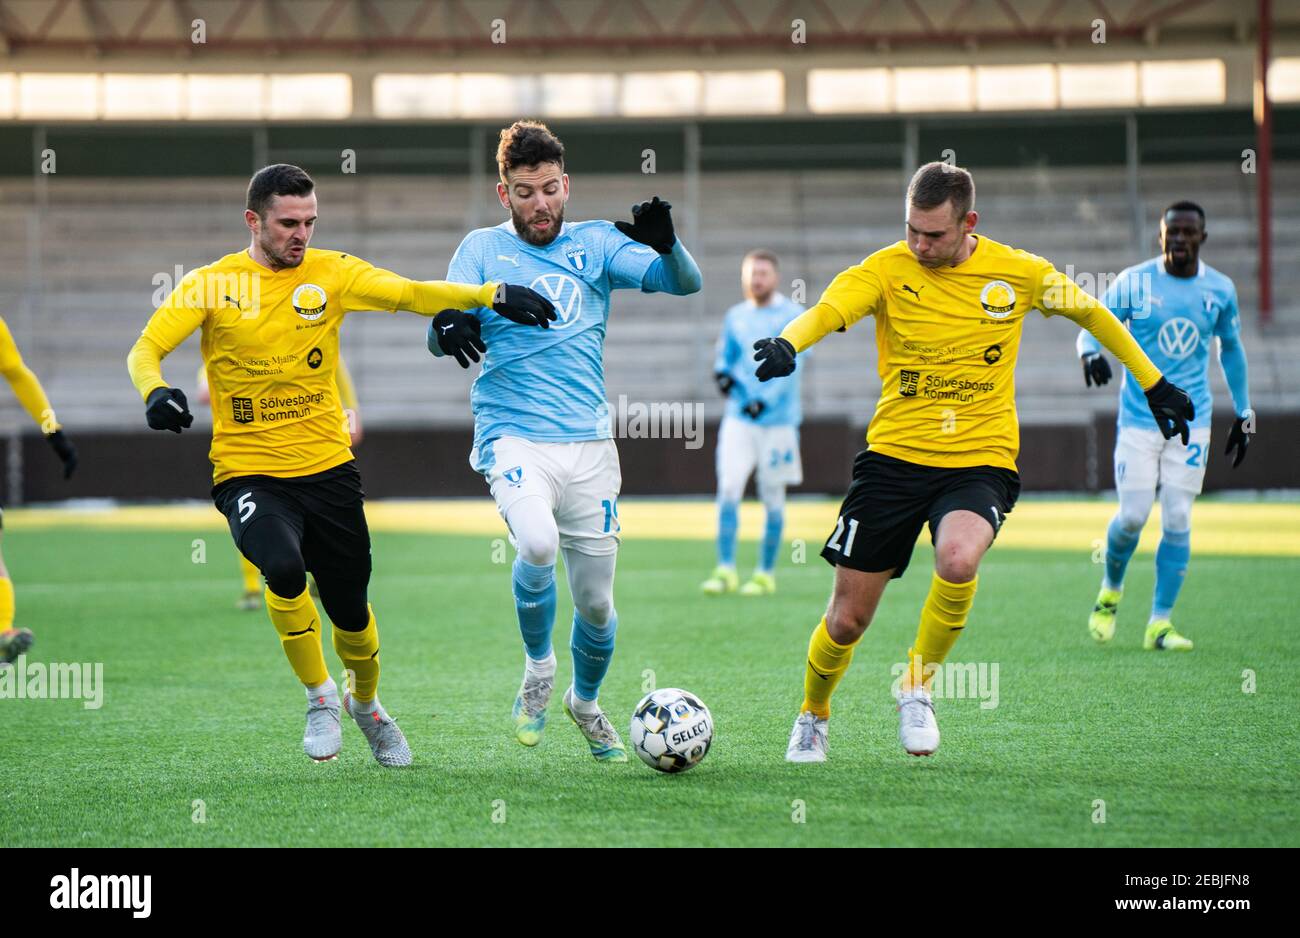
<point x="890" y="500"/>
<point x="325" y="509"/>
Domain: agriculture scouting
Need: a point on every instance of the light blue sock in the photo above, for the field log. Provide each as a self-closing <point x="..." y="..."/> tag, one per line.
<point x="771" y="540"/>
<point x="592" y="647"/>
<point x="1120" y="545"/>
<point x="1171" y="567"/>
<point x="728" y="525"/>
<point x="534" y="589"/>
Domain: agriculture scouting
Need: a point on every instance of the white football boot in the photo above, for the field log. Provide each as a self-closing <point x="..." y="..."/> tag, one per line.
<point x="917" y="728"/>
<point x="807" y="739"/>
<point x="323" y="737"/>
<point x="386" y="740"/>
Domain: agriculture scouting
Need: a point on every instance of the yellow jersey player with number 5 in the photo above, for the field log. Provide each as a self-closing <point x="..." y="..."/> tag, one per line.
<point x="283" y="471"/>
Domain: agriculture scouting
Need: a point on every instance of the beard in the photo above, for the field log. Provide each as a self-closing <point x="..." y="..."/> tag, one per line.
<point x="281" y="261"/>
<point x="537" y="238"/>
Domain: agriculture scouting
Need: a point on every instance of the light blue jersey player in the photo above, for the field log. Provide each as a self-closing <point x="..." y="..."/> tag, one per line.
<point x="760" y="430"/>
<point x="1175" y="306"/>
<point x="542" y="434"/>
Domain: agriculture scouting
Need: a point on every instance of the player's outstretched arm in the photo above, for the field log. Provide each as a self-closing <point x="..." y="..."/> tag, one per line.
<point x="516" y="303"/>
<point x="674" y="270"/>
<point x="1169" y="404"/>
<point x="458" y="334"/>
<point x="27" y="388"/>
<point x="853" y="294"/>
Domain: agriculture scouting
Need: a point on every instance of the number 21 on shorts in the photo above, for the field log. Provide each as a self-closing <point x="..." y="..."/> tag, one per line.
<point x="834" y="542"/>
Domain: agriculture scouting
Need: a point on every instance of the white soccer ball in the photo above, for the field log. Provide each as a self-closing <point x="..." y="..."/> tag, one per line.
<point x="671" y="730"/>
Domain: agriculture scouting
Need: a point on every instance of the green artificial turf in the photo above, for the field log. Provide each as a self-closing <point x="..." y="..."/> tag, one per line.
<point x="200" y="706"/>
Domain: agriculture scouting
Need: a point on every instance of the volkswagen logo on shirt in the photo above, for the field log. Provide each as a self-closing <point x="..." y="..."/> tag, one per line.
<point x="1178" y="338"/>
<point x="565" y="293"/>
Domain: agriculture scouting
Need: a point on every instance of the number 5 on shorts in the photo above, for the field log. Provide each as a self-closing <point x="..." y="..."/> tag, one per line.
<point x="246" y="508"/>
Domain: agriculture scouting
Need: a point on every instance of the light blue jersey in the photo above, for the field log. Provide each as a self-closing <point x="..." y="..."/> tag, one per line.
<point x="548" y="385"/>
<point x="744" y="324"/>
<point x="1175" y="320"/>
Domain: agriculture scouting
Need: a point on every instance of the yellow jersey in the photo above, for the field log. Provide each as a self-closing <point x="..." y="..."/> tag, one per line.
<point x="270" y="346"/>
<point x="947" y="339"/>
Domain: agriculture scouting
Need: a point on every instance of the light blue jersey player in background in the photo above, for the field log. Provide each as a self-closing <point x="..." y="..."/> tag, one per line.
<point x="760" y="430"/>
<point x="1175" y="306"/>
<point x="542" y="434"/>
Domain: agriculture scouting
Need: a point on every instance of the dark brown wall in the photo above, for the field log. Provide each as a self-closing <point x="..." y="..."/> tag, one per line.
<point x="434" y="462"/>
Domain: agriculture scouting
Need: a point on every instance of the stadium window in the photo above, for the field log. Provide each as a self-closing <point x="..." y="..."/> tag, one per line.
<point x="848" y="90"/>
<point x="1284" y="79"/>
<point x="660" y="94"/>
<point x="8" y="96"/>
<point x="1109" y="84"/>
<point x="749" y="92"/>
<point x="136" y="97"/>
<point x="397" y="95"/>
<point x="492" y="94"/>
<point x="1015" y="87"/>
<point x="933" y="89"/>
<point x="225" y="97"/>
<point x="315" y="96"/>
<point x="579" y="94"/>
<point x="1192" y="81"/>
<point x="58" y="96"/>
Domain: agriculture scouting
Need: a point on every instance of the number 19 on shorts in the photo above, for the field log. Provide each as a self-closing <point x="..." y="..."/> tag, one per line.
<point x="611" y="514"/>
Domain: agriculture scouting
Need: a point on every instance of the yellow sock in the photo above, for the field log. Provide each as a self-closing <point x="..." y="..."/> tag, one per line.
<point x="942" y="618"/>
<point x="359" y="652"/>
<point x="6" y="603"/>
<point x="252" y="576"/>
<point x="299" y="626"/>
<point x="828" y="660"/>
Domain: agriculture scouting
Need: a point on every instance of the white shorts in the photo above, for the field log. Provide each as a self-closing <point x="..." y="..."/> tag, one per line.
<point x="579" y="481"/>
<point x="744" y="446"/>
<point x="1145" y="459"/>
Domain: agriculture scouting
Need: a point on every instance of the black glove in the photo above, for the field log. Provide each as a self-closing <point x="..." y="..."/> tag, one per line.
<point x="776" y="357"/>
<point x="1172" y="409"/>
<point x="1096" y="370"/>
<point x="64" y="449"/>
<point x="522" y="305"/>
<point x="1239" y="439"/>
<point x="725" y="382"/>
<point x="753" y="409"/>
<point x="651" y="224"/>
<point x="167" y="409"/>
<point x="459" y="335"/>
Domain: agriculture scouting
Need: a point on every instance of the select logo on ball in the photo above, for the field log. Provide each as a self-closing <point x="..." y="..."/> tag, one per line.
<point x="672" y="730"/>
